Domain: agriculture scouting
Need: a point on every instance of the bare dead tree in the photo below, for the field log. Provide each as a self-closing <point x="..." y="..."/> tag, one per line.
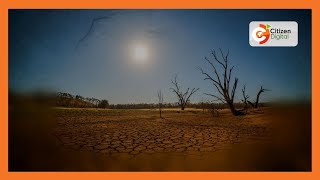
<point x="202" y="105"/>
<point x="214" y="110"/>
<point x="160" y="98"/>
<point x="184" y="97"/>
<point x="245" y="97"/>
<point x="251" y="103"/>
<point x="256" y="104"/>
<point x="222" y="84"/>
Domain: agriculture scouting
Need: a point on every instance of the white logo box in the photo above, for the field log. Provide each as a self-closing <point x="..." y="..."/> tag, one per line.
<point x="282" y="34"/>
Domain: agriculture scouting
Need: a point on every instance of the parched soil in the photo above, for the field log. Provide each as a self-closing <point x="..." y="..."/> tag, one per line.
<point x="131" y="134"/>
<point x="267" y="139"/>
<point x="140" y="131"/>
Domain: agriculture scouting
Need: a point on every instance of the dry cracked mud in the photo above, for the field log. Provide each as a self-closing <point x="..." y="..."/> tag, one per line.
<point x="138" y="140"/>
<point x="129" y="133"/>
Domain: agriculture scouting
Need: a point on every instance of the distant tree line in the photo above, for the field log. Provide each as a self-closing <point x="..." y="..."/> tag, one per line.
<point x="77" y="101"/>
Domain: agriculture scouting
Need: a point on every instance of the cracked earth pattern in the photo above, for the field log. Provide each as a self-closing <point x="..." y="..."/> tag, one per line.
<point x="134" y="132"/>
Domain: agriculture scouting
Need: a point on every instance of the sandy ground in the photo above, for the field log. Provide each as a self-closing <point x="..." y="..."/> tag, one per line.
<point x="138" y="140"/>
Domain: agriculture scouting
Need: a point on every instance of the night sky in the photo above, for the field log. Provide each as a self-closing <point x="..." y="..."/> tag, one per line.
<point x="57" y="50"/>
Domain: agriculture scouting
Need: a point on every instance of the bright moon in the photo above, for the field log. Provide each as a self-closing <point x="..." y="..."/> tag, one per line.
<point x="140" y="53"/>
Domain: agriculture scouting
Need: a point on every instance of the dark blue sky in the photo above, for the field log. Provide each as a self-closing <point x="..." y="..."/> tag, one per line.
<point x="43" y="53"/>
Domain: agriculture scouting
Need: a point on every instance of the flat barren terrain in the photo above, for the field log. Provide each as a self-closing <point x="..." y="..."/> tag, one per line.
<point x="136" y="132"/>
<point x="138" y="140"/>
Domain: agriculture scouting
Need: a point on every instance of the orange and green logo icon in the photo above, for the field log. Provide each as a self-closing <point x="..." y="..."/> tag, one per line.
<point x="261" y="34"/>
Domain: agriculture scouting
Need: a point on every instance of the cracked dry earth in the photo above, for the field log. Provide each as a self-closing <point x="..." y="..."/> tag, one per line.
<point x="132" y="133"/>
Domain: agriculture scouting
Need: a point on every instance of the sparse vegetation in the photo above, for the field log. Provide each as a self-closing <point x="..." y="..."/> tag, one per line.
<point x="256" y="103"/>
<point x="183" y="97"/>
<point x="77" y="101"/>
<point x="103" y="104"/>
<point x="222" y="82"/>
<point x="160" y="98"/>
<point x="245" y="98"/>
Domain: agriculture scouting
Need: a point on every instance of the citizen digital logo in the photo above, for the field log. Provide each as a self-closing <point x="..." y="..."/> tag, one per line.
<point x="273" y="33"/>
<point x="272" y="30"/>
<point x="278" y="33"/>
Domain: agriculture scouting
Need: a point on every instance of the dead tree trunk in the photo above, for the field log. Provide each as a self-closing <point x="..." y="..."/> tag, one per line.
<point x="245" y="97"/>
<point x="214" y="111"/>
<point x="251" y="104"/>
<point x="184" y="97"/>
<point x="160" y="98"/>
<point x="256" y="104"/>
<point x="202" y="106"/>
<point x="222" y="84"/>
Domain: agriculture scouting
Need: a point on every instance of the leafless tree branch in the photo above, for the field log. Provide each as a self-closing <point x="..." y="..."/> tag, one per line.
<point x="160" y="98"/>
<point x="184" y="97"/>
<point x="217" y="98"/>
<point x="245" y="97"/>
<point x="223" y="88"/>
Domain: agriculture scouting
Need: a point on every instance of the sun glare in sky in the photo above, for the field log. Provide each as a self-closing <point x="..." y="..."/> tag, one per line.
<point x="140" y="52"/>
